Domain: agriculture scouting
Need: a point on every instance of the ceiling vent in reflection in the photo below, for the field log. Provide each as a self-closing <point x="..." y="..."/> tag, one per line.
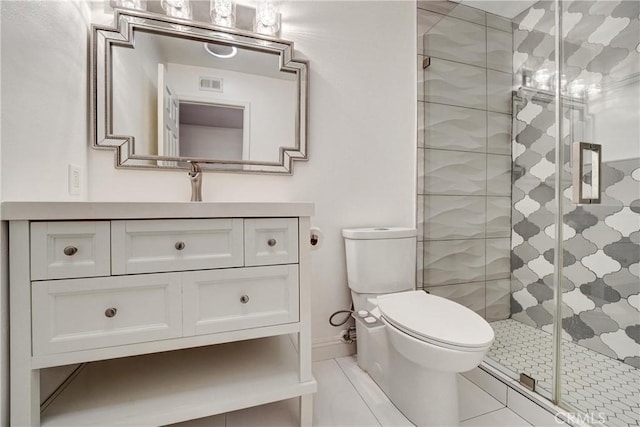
<point x="213" y="84"/>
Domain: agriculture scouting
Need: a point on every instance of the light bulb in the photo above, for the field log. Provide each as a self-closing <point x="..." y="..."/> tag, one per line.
<point x="267" y="18"/>
<point x="223" y="12"/>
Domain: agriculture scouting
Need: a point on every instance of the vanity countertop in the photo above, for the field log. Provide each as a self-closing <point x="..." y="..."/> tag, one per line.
<point x="12" y="211"/>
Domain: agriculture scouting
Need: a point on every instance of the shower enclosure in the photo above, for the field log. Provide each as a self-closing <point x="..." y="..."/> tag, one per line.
<point x="529" y="188"/>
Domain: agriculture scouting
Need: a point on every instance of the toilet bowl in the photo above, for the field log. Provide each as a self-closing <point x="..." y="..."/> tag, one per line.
<point x="410" y="342"/>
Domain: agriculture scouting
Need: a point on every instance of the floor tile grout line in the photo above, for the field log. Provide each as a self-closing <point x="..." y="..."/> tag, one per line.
<point x="358" y="392"/>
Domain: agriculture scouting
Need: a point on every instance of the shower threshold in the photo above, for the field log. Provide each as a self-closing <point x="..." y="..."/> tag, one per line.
<point x="592" y="383"/>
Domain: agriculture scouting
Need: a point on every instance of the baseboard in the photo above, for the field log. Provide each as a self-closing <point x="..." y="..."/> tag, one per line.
<point x="330" y="348"/>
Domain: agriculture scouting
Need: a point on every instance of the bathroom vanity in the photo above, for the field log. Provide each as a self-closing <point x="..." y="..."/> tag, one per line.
<point x="173" y="311"/>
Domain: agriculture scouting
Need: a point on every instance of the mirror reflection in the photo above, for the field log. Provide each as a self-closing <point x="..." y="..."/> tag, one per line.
<point x="168" y="93"/>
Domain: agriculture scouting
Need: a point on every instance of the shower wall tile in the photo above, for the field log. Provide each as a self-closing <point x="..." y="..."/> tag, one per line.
<point x="454" y="128"/>
<point x="455" y="172"/>
<point x="471" y="295"/>
<point x="464" y="212"/>
<point x="470" y="14"/>
<point x="426" y="21"/>
<point x="457" y="40"/>
<point x="498" y="217"/>
<point x="420" y="217"/>
<point x="420" y="178"/>
<point x="601" y="253"/>
<point x="421" y="122"/>
<point x="499" y="50"/>
<point x="452" y="83"/>
<point x="454" y="217"/>
<point x="420" y="84"/>
<point x="498" y="133"/>
<point x="499" y="88"/>
<point x="498" y="258"/>
<point x="453" y="261"/>
<point x="498" y="300"/>
<point x="499" y="23"/>
<point x="420" y="265"/>
<point x="498" y="175"/>
<point x="439" y="6"/>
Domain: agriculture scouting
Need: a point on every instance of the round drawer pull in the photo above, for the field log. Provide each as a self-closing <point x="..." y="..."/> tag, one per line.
<point x="180" y="245"/>
<point x="244" y="299"/>
<point x="271" y="242"/>
<point x="111" y="312"/>
<point x="70" y="250"/>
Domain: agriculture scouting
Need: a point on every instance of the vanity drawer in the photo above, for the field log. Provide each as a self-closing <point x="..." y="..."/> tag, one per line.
<point x="226" y="300"/>
<point x="149" y="246"/>
<point x="64" y="250"/>
<point x="79" y="314"/>
<point x="269" y="241"/>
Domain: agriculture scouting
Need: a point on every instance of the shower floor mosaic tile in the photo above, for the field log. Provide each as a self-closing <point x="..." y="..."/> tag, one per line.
<point x="592" y="383"/>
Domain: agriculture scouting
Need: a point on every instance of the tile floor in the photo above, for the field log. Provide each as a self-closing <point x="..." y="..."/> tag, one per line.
<point x="348" y="397"/>
<point x="592" y="382"/>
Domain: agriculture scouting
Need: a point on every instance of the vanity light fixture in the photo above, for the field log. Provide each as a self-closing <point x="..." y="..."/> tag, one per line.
<point x="177" y="8"/>
<point x="223" y="12"/>
<point x="267" y="19"/>
<point x="131" y="4"/>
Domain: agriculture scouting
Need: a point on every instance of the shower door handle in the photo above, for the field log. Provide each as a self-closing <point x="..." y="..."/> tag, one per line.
<point x="587" y="160"/>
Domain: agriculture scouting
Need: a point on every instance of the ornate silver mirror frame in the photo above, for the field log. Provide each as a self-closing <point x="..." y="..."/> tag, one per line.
<point x="103" y="38"/>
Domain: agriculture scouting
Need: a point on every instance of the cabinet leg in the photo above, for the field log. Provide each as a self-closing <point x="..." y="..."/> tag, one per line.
<point x="306" y="410"/>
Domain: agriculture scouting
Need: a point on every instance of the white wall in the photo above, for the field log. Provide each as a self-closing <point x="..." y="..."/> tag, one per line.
<point x="362" y="127"/>
<point x="362" y="138"/>
<point x="44" y="97"/>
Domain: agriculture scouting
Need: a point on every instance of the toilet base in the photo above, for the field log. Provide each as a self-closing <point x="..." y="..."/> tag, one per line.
<point x="425" y="396"/>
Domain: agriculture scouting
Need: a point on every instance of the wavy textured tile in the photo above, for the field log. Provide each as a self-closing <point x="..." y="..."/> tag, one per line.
<point x="454" y="217"/>
<point x="453" y="172"/>
<point x="454" y="128"/>
<point x="498" y="133"/>
<point x="457" y="40"/>
<point x="499" y="50"/>
<point x="498" y="300"/>
<point x="453" y="261"/>
<point x="499" y="88"/>
<point x="498" y="264"/>
<point x="499" y="23"/>
<point x="498" y="217"/>
<point x="471" y="295"/>
<point x="498" y="175"/>
<point x="426" y="21"/>
<point x="452" y="83"/>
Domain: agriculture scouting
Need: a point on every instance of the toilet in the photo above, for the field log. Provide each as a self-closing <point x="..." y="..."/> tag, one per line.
<point x="410" y="342"/>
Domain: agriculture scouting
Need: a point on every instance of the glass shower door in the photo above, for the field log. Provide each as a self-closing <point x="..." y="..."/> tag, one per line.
<point x="599" y="332"/>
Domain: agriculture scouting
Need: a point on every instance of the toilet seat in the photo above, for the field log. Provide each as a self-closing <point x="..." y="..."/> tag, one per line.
<point x="436" y="320"/>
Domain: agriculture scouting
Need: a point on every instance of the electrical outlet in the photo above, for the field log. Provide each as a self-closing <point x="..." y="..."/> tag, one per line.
<point x="75" y="180"/>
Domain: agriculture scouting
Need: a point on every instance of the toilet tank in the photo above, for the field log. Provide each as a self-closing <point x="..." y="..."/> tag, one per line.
<point x="380" y="260"/>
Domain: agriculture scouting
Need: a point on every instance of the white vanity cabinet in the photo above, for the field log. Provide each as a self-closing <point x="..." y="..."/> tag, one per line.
<point x="173" y="311"/>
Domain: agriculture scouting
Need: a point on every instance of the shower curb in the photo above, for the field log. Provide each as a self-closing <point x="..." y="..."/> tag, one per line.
<point x="561" y="414"/>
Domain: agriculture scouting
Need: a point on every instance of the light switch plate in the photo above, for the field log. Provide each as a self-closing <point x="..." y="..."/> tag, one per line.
<point x="75" y="180"/>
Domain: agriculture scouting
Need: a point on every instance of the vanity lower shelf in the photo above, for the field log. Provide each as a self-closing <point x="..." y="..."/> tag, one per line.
<point x="175" y="386"/>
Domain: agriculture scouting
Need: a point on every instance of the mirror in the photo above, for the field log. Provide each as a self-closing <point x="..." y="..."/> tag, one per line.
<point x="166" y="91"/>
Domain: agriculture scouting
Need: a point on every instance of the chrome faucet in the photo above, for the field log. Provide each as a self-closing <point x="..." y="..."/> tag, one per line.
<point x="195" y="176"/>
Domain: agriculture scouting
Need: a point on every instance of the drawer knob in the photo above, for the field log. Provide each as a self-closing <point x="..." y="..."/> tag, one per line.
<point x="111" y="312"/>
<point x="244" y="299"/>
<point x="271" y="242"/>
<point x="180" y="245"/>
<point x="70" y="250"/>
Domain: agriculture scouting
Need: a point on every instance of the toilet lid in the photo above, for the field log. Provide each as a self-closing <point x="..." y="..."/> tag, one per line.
<point x="436" y="319"/>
